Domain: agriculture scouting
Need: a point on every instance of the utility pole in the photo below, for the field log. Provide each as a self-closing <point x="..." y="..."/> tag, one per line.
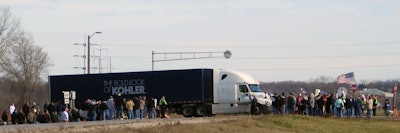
<point x="101" y="58"/>
<point x="110" y="65"/>
<point x="90" y="36"/>
<point x="83" y="56"/>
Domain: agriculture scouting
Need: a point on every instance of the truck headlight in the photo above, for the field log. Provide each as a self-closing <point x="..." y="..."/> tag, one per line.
<point x="268" y="103"/>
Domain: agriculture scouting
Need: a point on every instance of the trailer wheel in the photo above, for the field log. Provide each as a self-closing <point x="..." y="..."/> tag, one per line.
<point x="200" y="111"/>
<point x="187" y="111"/>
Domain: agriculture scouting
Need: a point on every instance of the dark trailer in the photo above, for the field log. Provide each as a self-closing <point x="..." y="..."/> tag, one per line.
<point x="178" y="86"/>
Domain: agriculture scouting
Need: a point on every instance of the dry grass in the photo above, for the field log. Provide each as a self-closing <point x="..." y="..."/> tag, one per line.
<point x="240" y="124"/>
<point x="280" y="124"/>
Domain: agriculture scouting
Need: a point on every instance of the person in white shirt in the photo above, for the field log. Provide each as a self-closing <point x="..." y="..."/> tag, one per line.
<point x="12" y="108"/>
<point x="65" y="115"/>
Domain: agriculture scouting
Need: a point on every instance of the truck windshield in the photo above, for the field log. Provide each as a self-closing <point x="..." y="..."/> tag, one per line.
<point x="255" y="88"/>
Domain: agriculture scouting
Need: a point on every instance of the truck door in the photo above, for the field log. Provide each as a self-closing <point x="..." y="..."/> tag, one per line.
<point x="243" y="98"/>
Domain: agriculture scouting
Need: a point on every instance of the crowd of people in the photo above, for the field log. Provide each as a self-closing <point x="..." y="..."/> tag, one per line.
<point x="323" y="104"/>
<point x="326" y="104"/>
<point x="90" y="110"/>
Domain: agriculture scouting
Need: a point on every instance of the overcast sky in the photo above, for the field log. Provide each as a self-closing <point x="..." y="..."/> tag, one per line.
<point x="271" y="40"/>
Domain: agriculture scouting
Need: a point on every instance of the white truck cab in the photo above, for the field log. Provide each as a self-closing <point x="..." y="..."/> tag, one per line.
<point x="233" y="91"/>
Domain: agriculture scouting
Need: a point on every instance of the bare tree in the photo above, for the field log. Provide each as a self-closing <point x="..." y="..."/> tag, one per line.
<point x="20" y="60"/>
<point x="323" y="79"/>
<point x="9" y="28"/>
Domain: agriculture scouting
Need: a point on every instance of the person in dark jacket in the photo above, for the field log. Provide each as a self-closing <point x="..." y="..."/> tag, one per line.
<point x="119" y="104"/>
<point x="4" y="117"/>
<point x="283" y="103"/>
<point x="74" y="115"/>
<point x="291" y="103"/>
<point x="45" y="117"/>
<point x="20" y="116"/>
<point x="26" y="108"/>
<point x="320" y="104"/>
<point x="329" y="104"/>
<point x="387" y="107"/>
<point x="104" y="110"/>
<point x="136" y="101"/>
<point x="151" y="108"/>
<point x="348" y="106"/>
<point x="304" y="106"/>
<point x="51" y="108"/>
<point x="357" y="107"/>
<point x="253" y="109"/>
<point x="92" y="110"/>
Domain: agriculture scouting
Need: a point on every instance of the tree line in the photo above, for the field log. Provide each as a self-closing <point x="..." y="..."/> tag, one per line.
<point x="331" y="87"/>
<point x="23" y="65"/>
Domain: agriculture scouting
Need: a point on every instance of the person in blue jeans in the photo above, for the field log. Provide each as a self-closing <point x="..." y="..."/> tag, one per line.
<point x="111" y="108"/>
<point x="104" y="110"/>
<point x="129" y="107"/>
<point x="387" y="107"/>
<point x="370" y="106"/>
<point x="151" y="106"/>
<point x="357" y="107"/>
<point x="136" y="111"/>
<point x="349" y="106"/>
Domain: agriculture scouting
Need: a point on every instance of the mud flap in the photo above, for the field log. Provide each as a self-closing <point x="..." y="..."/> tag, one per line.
<point x="266" y="109"/>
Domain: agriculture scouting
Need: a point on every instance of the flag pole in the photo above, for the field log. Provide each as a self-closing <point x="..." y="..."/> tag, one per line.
<point x="394" y="96"/>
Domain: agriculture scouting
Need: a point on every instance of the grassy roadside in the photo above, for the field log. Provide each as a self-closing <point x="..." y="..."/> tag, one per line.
<point x="281" y="124"/>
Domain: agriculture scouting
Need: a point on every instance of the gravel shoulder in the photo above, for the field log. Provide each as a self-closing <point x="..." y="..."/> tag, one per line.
<point x="109" y="125"/>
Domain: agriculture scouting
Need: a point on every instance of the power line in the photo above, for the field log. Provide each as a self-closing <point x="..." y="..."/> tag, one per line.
<point x="270" y="45"/>
<point x="138" y="57"/>
<point x="334" y="56"/>
<point x="258" y="46"/>
<point x="314" y="68"/>
<point x="269" y="69"/>
<point x="287" y="57"/>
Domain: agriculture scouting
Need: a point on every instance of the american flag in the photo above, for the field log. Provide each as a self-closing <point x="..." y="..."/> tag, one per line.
<point x="303" y="90"/>
<point x="346" y="78"/>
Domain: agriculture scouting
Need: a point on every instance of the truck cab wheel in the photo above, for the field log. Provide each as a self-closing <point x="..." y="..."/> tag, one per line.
<point x="200" y="111"/>
<point x="257" y="110"/>
<point x="187" y="111"/>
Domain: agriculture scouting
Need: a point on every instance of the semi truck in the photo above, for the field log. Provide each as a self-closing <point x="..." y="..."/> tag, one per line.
<point x="190" y="92"/>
